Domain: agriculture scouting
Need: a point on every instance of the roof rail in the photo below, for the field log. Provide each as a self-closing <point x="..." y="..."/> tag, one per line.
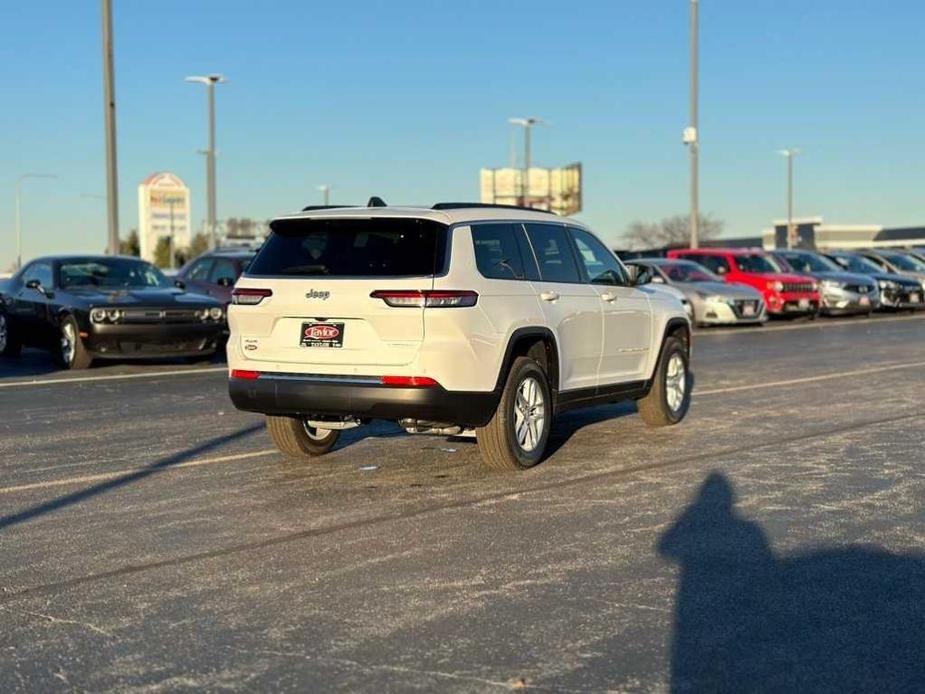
<point x="312" y="208"/>
<point x="466" y="205"/>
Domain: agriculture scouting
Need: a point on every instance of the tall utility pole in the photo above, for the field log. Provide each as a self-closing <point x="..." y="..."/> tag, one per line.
<point x="109" y="105"/>
<point x="325" y="193"/>
<point x="691" y="133"/>
<point x="19" y="212"/>
<point x="210" y="81"/>
<point x="790" y="153"/>
<point x="527" y="124"/>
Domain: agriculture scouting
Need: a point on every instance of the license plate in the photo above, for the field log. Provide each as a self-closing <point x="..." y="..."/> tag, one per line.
<point x="915" y="298"/>
<point x="748" y="310"/>
<point x="864" y="301"/>
<point x="804" y="303"/>
<point x="324" y="335"/>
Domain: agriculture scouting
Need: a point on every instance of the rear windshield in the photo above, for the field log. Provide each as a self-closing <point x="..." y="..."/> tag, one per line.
<point x="383" y="247"/>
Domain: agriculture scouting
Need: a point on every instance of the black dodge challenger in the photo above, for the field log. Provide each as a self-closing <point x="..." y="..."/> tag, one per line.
<point x="90" y="307"/>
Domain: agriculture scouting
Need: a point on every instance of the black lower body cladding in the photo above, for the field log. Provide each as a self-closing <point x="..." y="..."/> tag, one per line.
<point x="292" y="395"/>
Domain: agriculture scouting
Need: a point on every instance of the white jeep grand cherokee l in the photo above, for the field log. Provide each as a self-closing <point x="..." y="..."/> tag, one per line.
<point x="451" y="319"/>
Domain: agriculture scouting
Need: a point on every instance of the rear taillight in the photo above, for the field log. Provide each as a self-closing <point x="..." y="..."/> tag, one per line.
<point x="437" y="298"/>
<point x="409" y="381"/>
<point x="245" y="296"/>
<point x="245" y="374"/>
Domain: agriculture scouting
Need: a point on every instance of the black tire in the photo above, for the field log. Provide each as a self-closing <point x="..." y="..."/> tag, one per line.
<point x="76" y="357"/>
<point x="297" y="440"/>
<point x="10" y="346"/>
<point x="498" y="440"/>
<point x="656" y="407"/>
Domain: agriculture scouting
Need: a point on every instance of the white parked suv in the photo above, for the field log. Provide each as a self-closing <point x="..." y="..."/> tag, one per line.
<point x="451" y="319"/>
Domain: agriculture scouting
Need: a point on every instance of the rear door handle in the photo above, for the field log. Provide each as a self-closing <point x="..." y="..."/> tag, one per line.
<point x="608" y="297"/>
<point x="549" y="296"/>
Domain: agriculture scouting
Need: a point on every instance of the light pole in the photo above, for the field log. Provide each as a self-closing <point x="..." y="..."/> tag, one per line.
<point x="691" y="133"/>
<point x="326" y="194"/>
<point x="109" y="106"/>
<point x="210" y="81"/>
<point x="790" y="153"/>
<point x="527" y="124"/>
<point x="19" y="181"/>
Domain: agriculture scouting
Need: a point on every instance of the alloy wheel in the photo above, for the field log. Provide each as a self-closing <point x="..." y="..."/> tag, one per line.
<point x="529" y="414"/>
<point x="68" y="343"/>
<point x="675" y="382"/>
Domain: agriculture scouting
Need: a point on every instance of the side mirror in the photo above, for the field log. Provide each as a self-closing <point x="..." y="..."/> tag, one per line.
<point x="179" y="284"/>
<point x="36" y="285"/>
<point x="225" y="282"/>
<point x="640" y="275"/>
<point x="657" y="279"/>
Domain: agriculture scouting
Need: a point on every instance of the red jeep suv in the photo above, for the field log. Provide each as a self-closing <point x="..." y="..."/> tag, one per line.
<point x="784" y="293"/>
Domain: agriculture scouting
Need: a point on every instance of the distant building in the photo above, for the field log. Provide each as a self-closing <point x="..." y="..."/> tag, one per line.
<point x="163" y="211"/>
<point x="555" y="190"/>
<point x="813" y="233"/>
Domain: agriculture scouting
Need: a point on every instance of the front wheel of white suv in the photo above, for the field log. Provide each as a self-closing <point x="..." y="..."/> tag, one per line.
<point x="296" y="439"/>
<point x="670" y="395"/>
<point x="515" y="437"/>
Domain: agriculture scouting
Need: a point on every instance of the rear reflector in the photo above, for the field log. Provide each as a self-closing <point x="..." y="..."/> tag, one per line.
<point x="409" y="381"/>
<point x="248" y="375"/>
<point x="249" y="297"/>
<point x="437" y="298"/>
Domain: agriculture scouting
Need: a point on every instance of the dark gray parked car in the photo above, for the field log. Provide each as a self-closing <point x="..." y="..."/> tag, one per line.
<point x="714" y="302"/>
<point x="841" y="292"/>
<point x="896" y="291"/>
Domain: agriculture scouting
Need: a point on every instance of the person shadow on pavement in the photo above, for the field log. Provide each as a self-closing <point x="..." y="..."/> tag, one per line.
<point x="747" y="620"/>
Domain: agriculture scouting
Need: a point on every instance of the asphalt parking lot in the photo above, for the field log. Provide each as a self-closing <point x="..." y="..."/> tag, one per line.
<point x="150" y="539"/>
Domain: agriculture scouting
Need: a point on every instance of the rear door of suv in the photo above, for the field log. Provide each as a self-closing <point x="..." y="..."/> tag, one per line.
<point x="346" y="294"/>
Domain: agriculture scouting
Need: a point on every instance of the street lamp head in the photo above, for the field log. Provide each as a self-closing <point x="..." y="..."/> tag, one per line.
<point x="527" y="122"/>
<point x="206" y="79"/>
<point x="790" y="152"/>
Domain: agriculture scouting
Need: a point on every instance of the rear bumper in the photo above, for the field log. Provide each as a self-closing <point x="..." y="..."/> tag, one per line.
<point x="304" y="395"/>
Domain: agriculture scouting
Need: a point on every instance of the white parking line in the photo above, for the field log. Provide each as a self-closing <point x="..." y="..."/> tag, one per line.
<point x="816" y="324"/>
<point x="102" y="477"/>
<point x="111" y="377"/>
<point x="811" y="379"/>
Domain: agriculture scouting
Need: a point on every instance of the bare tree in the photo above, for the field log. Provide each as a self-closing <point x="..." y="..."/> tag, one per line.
<point x="671" y="231"/>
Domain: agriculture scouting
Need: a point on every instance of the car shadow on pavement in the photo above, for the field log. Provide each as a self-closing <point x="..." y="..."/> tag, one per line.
<point x="746" y="619"/>
<point x="125" y="479"/>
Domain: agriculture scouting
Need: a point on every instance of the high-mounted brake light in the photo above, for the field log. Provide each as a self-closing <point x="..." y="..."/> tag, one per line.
<point x="437" y="298"/>
<point x="247" y="296"/>
<point x="245" y="374"/>
<point x="409" y="381"/>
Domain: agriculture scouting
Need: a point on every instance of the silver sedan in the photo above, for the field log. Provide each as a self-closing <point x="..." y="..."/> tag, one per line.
<point x="713" y="301"/>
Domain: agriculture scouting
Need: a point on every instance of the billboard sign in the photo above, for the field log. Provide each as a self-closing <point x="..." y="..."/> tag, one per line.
<point x="556" y="190"/>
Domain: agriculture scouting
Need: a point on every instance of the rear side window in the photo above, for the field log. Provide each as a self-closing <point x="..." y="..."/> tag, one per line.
<point x="553" y="253"/>
<point x="378" y="247"/>
<point x="502" y="253"/>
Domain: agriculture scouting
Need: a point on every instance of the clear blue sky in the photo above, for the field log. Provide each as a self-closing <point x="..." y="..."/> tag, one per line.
<point x="409" y="99"/>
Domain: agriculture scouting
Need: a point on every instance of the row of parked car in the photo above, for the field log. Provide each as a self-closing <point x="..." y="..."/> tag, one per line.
<point x="724" y="286"/>
<point x="83" y="308"/>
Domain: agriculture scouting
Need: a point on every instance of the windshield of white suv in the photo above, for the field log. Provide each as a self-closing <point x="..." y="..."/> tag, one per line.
<point x="686" y="271"/>
<point x="379" y="247"/>
<point x="754" y="263"/>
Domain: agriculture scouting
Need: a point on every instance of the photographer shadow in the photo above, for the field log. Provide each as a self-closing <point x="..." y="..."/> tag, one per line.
<point x="747" y="620"/>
